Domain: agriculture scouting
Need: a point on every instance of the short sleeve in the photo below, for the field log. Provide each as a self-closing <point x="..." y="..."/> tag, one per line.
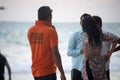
<point x="111" y="36"/>
<point x="53" y="38"/>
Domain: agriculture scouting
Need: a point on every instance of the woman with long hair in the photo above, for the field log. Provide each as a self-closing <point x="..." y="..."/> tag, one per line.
<point x="94" y="63"/>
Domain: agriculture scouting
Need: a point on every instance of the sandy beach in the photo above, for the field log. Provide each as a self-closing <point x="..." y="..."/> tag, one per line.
<point x="115" y="75"/>
<point x="28" y="76"/>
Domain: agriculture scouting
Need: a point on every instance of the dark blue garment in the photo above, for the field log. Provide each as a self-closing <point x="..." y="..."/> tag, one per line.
<point x="47" y="77"/>
<point x="2" y="65"/>
<point x="76" y="75"/>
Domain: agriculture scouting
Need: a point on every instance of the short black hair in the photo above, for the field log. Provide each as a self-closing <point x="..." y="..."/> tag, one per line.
<point x="44" y="12"/>
<point x="85" y="15"/>
<point x="98" y="20"/>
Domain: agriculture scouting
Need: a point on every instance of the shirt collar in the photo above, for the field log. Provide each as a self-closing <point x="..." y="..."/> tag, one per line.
<point x="41" y="22"/>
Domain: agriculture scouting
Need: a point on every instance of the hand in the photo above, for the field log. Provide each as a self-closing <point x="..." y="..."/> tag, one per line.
<point x="63" y="77"/>
<point x="107" y="57"/>
<point x="119" y="40"/>
<point x="81" y="51"/>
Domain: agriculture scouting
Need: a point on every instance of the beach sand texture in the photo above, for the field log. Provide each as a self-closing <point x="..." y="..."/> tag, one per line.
<point x="115" y="75"/>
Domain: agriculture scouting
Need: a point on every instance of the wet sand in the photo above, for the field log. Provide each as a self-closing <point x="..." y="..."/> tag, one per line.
<point x="114" y="75"/>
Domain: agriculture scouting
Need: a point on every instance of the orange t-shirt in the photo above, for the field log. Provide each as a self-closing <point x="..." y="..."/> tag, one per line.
<point x="42" y="37"/>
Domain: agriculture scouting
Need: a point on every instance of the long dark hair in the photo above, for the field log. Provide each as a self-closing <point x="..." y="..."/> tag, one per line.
<point x="89" y="26"/>
<point x="98" y="20"/>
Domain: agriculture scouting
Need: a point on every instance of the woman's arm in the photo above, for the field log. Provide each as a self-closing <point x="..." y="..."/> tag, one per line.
<point x="117" y="48"/>
<point x="107" y="57"/>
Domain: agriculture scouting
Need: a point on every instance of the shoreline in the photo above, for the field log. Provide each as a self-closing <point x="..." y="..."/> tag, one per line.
<point x="114" y="75"/>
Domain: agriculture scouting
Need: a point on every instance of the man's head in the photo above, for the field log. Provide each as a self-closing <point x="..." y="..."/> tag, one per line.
<point x="98" y="22"/>
<point x="45" y="13"/>
<point x="83" y="16"/>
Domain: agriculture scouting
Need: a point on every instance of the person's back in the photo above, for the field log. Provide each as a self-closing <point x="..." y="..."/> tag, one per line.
<point x="39" y="36"/>
<point x="43" y="41"/>
<point x="106" y="44"/>
<point x="95" y="60"/>
<point x="92" y="45"/>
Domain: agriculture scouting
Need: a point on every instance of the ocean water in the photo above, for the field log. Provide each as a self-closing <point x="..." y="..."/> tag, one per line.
<point x="15" y="47"/>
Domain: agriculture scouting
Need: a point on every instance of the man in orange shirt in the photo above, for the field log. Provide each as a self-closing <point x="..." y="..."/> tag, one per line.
<point x="43" y="41"/>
